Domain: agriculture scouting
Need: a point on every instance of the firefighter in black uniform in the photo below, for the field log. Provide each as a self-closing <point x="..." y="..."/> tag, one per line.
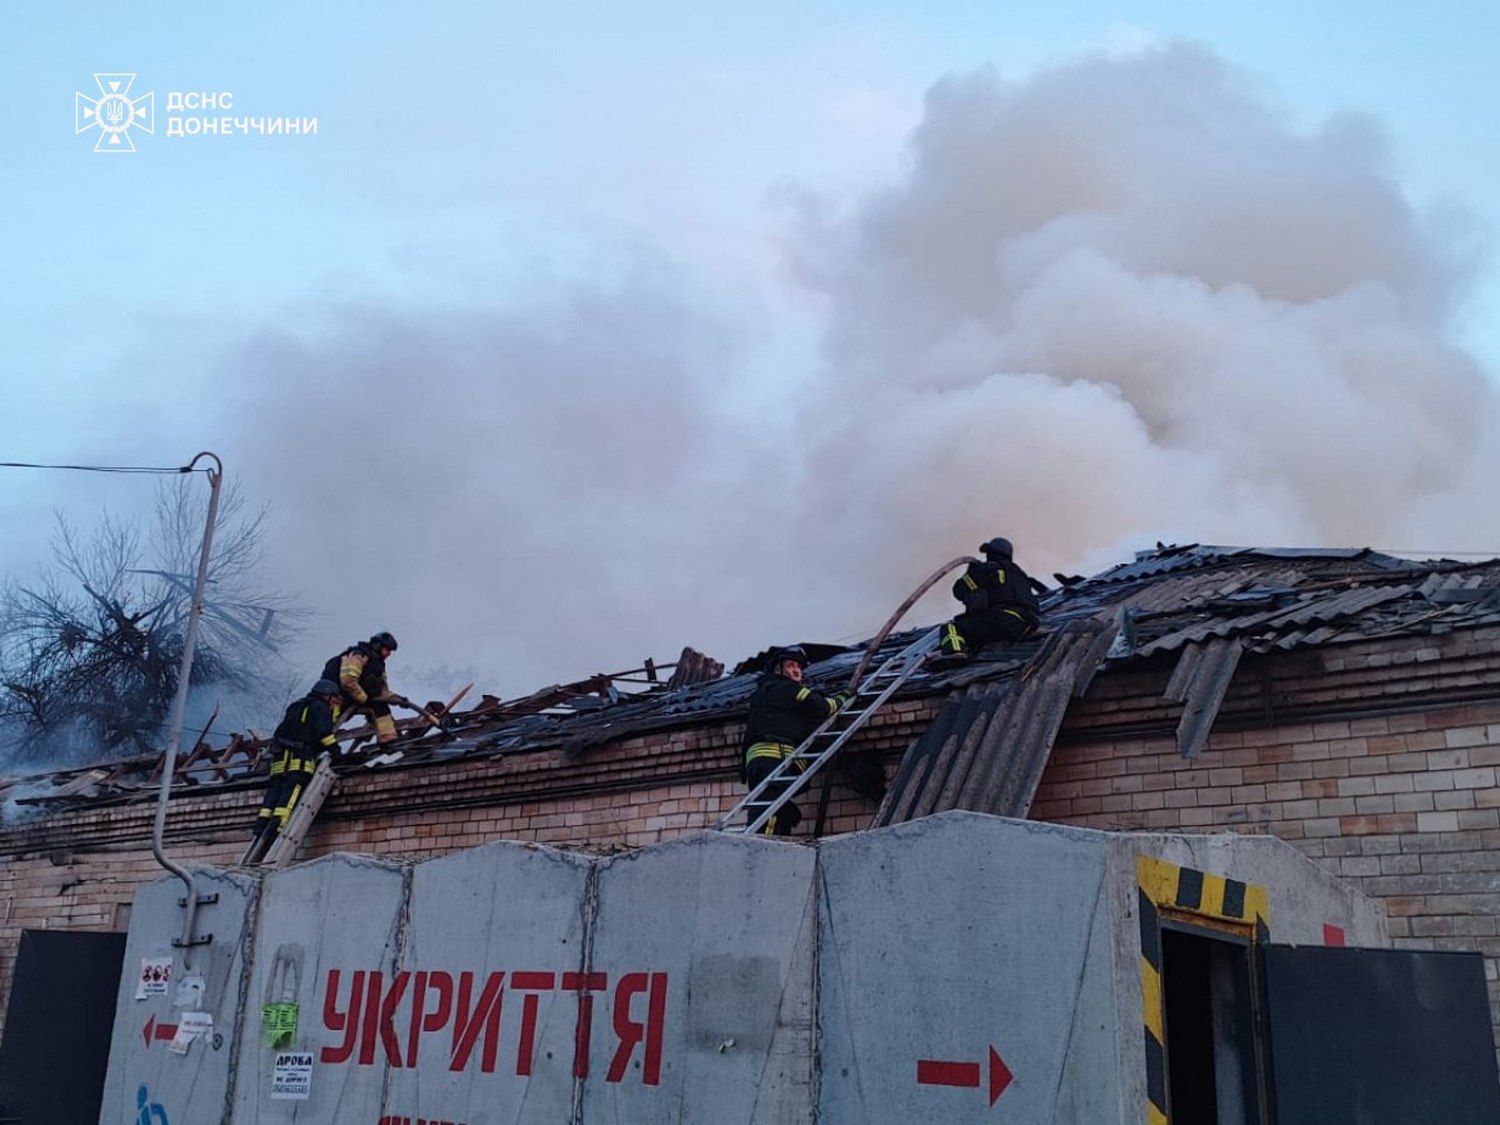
<point x="782" y="714"/>
<point x="306" y="731"/>
<point x="360" y="672"/>
<point x="999" y="603"/>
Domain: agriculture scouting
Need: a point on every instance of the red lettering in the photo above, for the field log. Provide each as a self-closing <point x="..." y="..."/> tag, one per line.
<point x="631" y="1032"/>
<point x="388" y="1038"/>
<point x="534" y="982"/>
<point x="347" y="1022"/>
<point x="372" y="1019"/>
<point x="442" y="984"/>
<point x="368" y="1022"/>
<point x="486" y="1016"/>
<point x="583" y="984"/>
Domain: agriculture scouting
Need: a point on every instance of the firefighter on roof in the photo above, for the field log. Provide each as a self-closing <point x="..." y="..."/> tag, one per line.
<point x="782" y="714"/>
<point x="360" y="672"/>
<point x="999" y="603"/>
<point x="305" y="732"/>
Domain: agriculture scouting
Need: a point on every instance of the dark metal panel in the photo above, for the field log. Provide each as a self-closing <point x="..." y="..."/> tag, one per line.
<point x="1379" y="1037"/>
<point x="57" y="1027"/>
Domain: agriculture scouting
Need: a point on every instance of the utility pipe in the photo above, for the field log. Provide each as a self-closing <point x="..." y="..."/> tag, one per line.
<point x="179" y="703"/>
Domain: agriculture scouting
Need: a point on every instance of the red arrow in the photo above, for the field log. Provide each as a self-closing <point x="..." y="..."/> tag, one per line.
<point x="939" y="1072"/>
<point x="156" y="1030"/>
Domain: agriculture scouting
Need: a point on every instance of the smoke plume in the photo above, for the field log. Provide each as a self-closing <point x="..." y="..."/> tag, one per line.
<point x="1117" y="302"/>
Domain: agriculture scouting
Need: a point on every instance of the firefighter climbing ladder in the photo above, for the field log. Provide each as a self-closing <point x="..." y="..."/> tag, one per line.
<point x="289" y="839"/>
<point x="799" y="768"/>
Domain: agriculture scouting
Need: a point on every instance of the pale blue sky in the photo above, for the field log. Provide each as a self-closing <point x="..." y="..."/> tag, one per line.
<point x="473" y="156"/>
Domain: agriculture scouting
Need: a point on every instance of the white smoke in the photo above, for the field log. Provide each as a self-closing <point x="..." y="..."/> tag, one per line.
<point x="1123" y="301"/>
<point x="1118" y="302"/>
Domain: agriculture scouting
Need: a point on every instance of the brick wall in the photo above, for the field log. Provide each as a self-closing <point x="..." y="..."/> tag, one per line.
<point x="79" y="868"/>
<point x="1404" y="805"/>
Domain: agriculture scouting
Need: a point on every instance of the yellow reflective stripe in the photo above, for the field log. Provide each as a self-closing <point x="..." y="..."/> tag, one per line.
<point x="833" y="707"/>
<point x="284" y="811"/>
<point x="328" y="740"/>
<point x="803" y="694"/>
<point x="776" y="750"/>
<point x="970" y="583"/>
<point x="349" y="671"/>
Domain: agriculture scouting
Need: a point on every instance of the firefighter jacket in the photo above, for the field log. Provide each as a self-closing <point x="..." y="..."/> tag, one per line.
<point x="782" y="714"/>
<point x="998" y="584"/>
<point x="360" y="671"/>
<point x="306" y="730"/>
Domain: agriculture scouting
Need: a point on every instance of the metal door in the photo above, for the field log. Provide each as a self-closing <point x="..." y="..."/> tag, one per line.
<point x="1379" y="1037"/>
<point x="57" y="1027"/>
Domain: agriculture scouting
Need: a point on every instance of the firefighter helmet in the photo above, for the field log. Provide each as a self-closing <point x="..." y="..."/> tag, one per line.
<point x="999" y="547"/>
<point x="383" y="640"/>
<point x="325" y="687"/>
<point x="780" y="656"/>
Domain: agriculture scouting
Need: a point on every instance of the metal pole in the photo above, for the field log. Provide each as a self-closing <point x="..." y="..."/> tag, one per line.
<point x="179" y="703"/>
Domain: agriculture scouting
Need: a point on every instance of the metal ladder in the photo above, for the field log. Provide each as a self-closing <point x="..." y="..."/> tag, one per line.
<point x="821" y="746"/>
<point x="281" y="850"/>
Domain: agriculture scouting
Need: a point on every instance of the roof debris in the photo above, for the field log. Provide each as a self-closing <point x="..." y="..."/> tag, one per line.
<point x="986" y="751"/>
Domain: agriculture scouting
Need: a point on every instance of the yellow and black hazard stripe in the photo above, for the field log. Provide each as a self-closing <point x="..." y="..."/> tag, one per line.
<point x="1166" y="887"/>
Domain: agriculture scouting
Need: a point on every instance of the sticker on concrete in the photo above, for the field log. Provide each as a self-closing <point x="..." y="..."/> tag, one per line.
<point x="189" y="992"/>
<point x="190" y="1027"/>
<point x="281" y="1024"/>
<point x="156" y="976"/>
<point x="291" y="1075"/>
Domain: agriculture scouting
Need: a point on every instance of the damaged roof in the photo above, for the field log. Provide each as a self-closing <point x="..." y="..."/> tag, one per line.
<point x="988" y="745"/>
<point x="987" y="748"/>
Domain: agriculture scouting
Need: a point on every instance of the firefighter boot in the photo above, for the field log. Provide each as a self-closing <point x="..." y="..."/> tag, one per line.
<point x="952" y="646"/>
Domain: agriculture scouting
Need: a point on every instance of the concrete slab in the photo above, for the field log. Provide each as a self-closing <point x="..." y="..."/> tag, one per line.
<point x="1308" y="904"/>
<point x="175" y="1039"/>
<point x="705" y="945"/>
<point x="485" y="1028"/>
<point x="952" y="970"/>
<point x="323" y="929"/>
<point x="958" y="968"/>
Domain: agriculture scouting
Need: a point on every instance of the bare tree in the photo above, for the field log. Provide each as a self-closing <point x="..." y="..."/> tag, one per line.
<point x="93" y="649"/>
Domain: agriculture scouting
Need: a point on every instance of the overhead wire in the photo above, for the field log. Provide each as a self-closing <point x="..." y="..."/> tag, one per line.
<point x="104" y="468"/>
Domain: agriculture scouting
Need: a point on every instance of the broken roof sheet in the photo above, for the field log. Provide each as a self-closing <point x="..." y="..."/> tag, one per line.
<point x="1175" y="599"/>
